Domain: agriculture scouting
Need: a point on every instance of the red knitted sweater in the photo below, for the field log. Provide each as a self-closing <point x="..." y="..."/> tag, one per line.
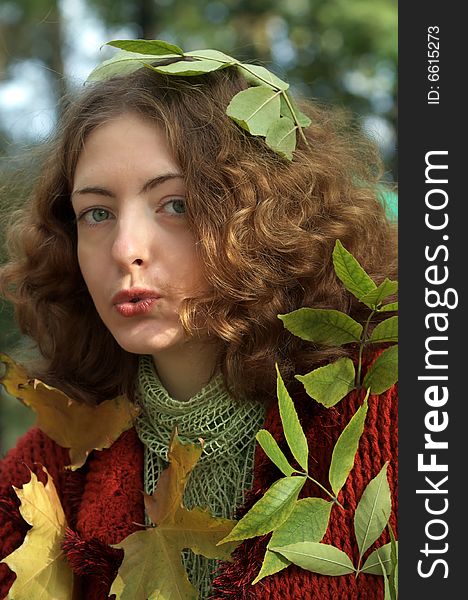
<point x="103" y="504"/>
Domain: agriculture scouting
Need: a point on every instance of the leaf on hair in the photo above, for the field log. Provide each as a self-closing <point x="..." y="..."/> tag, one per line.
<point x="281" y="137"/>
<point x="258" y="75"/>
<point x="302" y="119"/>
<point x="158" y="48"/>
<point x="123" y="63"/>
<point x="212" y="55"/>
<point x="258" y="109"/>
<point x="188" y="68"/>
<point x="255" y="109"/>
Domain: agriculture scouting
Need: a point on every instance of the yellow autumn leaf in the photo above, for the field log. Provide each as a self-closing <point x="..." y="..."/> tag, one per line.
<point x="168" y="494"/>
<point x="152" y="566"/>
<point x="42" y="572"/>
<point x="74" y="425"/>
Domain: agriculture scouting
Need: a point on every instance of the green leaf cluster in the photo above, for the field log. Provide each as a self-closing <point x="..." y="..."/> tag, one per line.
<point x="299" y="525"/>
<point x="264" y="109"/>
<point x="331" y="383"/>
<point x="295" y="521"/>
<point x="370" y="519"/>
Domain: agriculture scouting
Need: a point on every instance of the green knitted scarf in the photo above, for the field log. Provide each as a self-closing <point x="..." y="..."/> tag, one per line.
<point x="225" y="469"/>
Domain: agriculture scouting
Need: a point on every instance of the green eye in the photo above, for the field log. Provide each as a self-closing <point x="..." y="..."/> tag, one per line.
<point x="175" y="206"/>
<point x="99" y="214"/>
<point x="179" y="206"/>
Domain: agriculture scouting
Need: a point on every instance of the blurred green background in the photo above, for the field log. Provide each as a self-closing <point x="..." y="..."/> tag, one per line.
<point x="342" y="51"/>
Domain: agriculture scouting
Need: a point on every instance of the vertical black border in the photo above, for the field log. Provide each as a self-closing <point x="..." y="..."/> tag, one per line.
<point x="424" y="128"/>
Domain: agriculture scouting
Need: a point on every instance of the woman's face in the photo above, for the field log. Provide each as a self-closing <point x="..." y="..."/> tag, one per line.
<point x="133" y="234"/>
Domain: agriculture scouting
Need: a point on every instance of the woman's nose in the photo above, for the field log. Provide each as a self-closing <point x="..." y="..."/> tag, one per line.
<point x="131" y="244"/>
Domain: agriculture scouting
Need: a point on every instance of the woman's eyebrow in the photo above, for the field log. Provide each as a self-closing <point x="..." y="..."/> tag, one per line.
<point x="158" y="180"/>
<point x="149" y="185"/>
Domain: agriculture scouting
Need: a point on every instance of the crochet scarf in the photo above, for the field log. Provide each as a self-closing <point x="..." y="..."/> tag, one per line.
<point x="225" y="470"/>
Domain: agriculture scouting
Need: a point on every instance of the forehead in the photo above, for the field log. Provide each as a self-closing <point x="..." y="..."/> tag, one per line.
<point x="125" y="145"/>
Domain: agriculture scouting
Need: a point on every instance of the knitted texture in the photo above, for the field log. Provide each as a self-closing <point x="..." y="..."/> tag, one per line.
<point x="225" y="470"/>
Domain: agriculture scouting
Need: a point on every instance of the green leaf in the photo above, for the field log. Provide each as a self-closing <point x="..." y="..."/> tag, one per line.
<point x="345" y="448"/>
<point x="393" y="576"/>
<point x="281" y="137"/>
<point x="329" y="384"/>
<point x="293" y="432"/>
<point x="323" y="326"/>
<point x="373" y="511"/>
<point x="272" y="563"/>
<point x="387" y="593"/>
<point x="384" y="371"/>
<point x="153" y="47"/>
<point x="386" y="331"/>
<point x="308" y="522"/>
<point x="319" y="558"/>
<point x="213" y="55"/>
<point x="372" y="565"/>
<point x="188" y="68"/>
<point x="302" y="119"/>
<point x="270" y="511"/>
<point x="255" y="109"/>
<point x="393" y="306"/>
<point x="375" y="297"/>
<point x="120" y="64"/>
<point x="274" y="452"/>
<point x="350" y="272"/>
<point x="257" y="75"/>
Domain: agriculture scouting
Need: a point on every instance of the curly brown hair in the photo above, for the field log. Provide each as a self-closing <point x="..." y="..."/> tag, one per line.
<point x="265" y="226"/>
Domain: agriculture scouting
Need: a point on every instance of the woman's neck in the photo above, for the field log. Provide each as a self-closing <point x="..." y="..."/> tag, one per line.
<point x="185" y="370"/>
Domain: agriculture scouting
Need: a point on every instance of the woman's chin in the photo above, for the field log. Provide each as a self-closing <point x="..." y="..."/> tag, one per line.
<point x="150" y="344"/>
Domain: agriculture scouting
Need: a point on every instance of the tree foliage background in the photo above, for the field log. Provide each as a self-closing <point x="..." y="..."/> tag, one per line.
<point x="341" y="51"/>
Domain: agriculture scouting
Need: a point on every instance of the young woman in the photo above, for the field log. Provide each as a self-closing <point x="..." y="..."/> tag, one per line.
<point x="158" y="248"/>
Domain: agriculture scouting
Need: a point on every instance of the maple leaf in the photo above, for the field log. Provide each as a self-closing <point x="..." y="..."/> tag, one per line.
<point x="152" y="566"/>
<point x="41" y="570"/>
<point x="74" y="425"/>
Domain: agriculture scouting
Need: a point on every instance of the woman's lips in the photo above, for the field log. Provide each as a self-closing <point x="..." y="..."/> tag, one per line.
<point x="134" y="309"/>
<point x="135" y="301"/>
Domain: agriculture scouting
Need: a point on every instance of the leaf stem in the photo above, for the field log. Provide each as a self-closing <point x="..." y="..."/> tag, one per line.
<point x="362" y="343"/>
<point x="233" y="62"/>
<point x="358" y="570"/>
<point x="288" y="102"/>
<point x="334" y="498"/>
